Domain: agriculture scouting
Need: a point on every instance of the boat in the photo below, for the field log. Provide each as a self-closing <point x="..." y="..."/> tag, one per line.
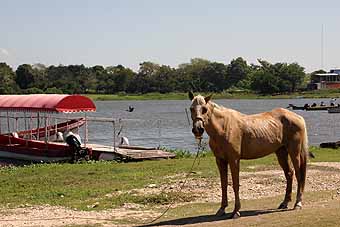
<point x="334" y="145"/>
<point x="293" y="107"/>
<point x="33" y="150"/>
<point x="311" y="108"/>
<point x="16" y="144"/>
<point x="316" y="108"/>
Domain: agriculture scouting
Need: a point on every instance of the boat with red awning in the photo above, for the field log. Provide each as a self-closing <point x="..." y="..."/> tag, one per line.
<point x="28" y="146"/>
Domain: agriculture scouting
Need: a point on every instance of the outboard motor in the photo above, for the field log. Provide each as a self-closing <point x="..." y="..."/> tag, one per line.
<point x="79" y="153"/>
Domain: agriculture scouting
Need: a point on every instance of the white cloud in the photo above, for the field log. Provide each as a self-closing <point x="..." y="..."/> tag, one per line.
<point x="4" y="51"/>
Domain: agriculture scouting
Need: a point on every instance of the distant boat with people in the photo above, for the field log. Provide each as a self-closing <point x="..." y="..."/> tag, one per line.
<point x="313" y="107"/>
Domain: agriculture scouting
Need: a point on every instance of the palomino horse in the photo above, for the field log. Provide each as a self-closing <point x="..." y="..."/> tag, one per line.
<point x="234" y="136"/>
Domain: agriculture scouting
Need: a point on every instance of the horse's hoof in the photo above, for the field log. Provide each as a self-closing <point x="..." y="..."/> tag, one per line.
<point x="220" y="212"/>
<point x="298" y="206"/>
<point x="235" y="215"/>
<point x="283" y="206"/>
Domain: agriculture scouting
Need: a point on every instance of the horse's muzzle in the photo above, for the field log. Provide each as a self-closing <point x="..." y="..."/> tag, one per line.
<point x="198" y="129"/>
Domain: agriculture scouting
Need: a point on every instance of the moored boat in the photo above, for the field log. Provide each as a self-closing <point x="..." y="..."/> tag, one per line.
<point x="16" y="144"/>
<point x="22" y="145"/>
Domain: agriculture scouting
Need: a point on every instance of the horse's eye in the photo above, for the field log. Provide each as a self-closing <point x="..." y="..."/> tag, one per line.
<point x="204" y="109"/>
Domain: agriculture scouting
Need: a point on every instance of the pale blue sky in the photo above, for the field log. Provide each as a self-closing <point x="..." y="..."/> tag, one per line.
<point x="169" y="32"/>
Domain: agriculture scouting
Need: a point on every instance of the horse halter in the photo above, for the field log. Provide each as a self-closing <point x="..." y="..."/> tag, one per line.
<point x="198" y="121"/>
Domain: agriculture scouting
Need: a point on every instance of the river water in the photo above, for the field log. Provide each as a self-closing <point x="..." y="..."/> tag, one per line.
<point x="164" y="122"/>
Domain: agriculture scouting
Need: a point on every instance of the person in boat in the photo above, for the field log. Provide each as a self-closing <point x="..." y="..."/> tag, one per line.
<point x="124" y="141"/>
<point x="15" y="134"/>
<point x="322" y="103"/>
<point x="332" y="102"/>
<point x="306" y="106"/>
<point x="59" y="137"/>
<point x="71" y="134"/>
<point x="313" y="105"/>
<point x="74" y="141"/>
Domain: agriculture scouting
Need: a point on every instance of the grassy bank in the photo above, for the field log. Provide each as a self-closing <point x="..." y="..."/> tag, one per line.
<point x="108" y="183"/>
<point x="335" y="93"/>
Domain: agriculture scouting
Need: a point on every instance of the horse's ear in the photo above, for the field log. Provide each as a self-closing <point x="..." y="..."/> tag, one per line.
<point x="207" y="99"/>
<point x="191" y="95"/>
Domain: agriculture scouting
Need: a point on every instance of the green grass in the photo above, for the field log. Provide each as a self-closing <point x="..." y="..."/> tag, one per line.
<point x="81" y="185"/>
<point x="332" y="93"/>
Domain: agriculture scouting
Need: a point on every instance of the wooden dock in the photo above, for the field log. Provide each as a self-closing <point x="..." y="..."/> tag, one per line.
<point x="128" y="153"/>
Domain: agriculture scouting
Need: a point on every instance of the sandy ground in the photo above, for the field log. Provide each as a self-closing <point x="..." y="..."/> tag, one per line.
<point x="254" y="185"/>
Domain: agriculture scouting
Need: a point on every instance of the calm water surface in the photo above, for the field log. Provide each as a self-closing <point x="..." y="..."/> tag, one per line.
<point x="164" y="123"/>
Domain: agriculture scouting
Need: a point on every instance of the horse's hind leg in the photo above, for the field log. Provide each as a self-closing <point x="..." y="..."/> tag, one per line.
<point x="282" y="156"/>
<point x="223" y="168"/>
<point x="299" y="161"/>
<point x="235" y="174"/>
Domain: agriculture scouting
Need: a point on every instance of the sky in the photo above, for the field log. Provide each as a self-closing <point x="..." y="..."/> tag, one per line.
<point x="169" y="32"/>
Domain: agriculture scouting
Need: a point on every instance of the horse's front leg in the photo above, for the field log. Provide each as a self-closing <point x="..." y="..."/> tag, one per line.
<point x="235" y="173"/>
<point x="223" y="168"/>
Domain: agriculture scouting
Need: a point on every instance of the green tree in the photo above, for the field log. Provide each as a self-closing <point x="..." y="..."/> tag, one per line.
<point x="101" y="76"/>
<point x="288" y="77"/>
<point x="292" y="76"/>
<point x="265" y="82"/>
<point x="7" y="79"/>
<point x="40" y="76"/>
<point x="25" y="77"/>
<point x="145" y="78"/>
<point x="214" y="76"/>
<point x="190" y="75"/>
<point x="120" y="77"/>
<point x="53" y="90"/>
<point x="237" y="70"/>
<point x="164" y="80"/>
<point x="62" y="78"/>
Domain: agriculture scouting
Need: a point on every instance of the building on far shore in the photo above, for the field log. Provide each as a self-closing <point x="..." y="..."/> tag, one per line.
<point x="330" y="80"/>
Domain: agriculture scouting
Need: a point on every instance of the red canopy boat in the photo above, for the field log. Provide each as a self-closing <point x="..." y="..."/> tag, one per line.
<point x="26" y="148"/>
<point x="34" y="150"/>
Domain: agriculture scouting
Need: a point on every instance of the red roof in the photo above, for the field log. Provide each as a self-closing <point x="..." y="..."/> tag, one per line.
<point x="46" y="103"/>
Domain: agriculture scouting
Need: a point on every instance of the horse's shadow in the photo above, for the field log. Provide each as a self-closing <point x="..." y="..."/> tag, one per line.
<point x="211" y="218"/>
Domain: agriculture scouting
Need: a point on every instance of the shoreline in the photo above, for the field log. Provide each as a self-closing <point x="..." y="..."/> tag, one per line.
<point x="224" y="95"/>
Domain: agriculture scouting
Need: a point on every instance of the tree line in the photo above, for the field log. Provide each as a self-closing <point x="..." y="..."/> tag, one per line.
<point x="198" y="75"/>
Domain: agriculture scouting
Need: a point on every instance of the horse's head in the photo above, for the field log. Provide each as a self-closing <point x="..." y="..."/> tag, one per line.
<point x="199" y="113"/>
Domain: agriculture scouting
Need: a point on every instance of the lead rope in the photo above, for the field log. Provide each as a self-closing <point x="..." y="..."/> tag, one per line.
<point x="199" y="148"/>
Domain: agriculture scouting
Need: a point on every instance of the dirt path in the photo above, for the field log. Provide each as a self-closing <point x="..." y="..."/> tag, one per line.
<point x="269" y="183"/>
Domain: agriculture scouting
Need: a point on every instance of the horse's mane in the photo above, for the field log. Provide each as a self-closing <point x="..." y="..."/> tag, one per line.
<point x="199" y="99"/>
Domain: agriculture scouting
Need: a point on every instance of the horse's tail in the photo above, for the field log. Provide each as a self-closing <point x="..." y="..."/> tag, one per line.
<point x="304" y="156"/>
<point x="305" y="149"/>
